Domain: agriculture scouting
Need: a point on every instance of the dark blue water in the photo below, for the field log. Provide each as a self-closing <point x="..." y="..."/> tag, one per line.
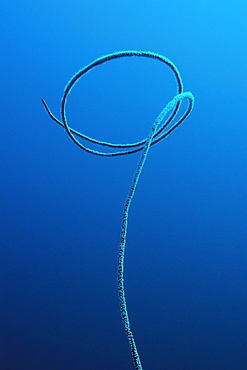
<point x="61" y="208"/>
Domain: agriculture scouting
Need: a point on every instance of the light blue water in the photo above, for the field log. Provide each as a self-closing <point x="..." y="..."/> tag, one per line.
<point x="61" y="209"/>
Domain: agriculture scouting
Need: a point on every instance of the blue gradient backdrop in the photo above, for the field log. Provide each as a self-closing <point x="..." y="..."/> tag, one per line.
<point x="186" y="258"/>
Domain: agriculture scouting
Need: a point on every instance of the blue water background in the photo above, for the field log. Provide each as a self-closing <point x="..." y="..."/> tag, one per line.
<point x="186" y="257"/>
